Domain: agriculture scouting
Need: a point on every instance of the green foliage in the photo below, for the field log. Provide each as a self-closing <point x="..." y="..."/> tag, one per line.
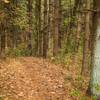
<point x="83" y="98"/>
<point x="20" y="50"/>
<point x="1" y="98"/>
<point x="97" y="87"/>
<point x="21" y="13"/>
<point x="79" y="81"/>
<point x="65" y="59"/>
<point x="75" y="93"/>
<point x="94" y="98"/>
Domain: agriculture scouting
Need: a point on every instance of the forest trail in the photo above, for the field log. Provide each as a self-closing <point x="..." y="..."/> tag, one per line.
<point x="33" y="79"/>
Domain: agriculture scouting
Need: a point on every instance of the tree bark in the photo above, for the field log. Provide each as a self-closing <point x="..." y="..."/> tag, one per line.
<point x="29" y="7"/>
<point x="45" y="31"/>
<point x="38" y="36"/>
<point x="85" y="65"/>
<point x="56" y="27"/>
<point x="95" y="62"/>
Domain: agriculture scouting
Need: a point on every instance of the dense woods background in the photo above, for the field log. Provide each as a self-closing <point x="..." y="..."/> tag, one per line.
<point x="56" y="29"/>
<point x="46" y="28"/>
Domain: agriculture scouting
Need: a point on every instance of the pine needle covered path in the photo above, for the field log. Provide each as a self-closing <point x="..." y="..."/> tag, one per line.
<point x="32" y="79"/>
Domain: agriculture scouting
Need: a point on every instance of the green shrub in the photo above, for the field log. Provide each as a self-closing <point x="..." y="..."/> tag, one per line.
<point x="75" y="93"/>
<point x="20" y="50"/>
<point x="1" y="98"/>
<point x="94" y="98"/>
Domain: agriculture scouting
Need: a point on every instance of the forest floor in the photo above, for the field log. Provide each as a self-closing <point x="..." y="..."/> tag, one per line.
<point x="38" y="79"/>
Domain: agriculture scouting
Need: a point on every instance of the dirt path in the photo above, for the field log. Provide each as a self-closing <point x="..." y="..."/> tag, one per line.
<point x="32" y="79"/>
<point x="37" y="79"/>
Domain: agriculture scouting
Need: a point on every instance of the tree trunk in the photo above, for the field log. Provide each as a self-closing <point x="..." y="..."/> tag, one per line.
<point x="78" y="31"/>
<point x="38" y="37"/>
<point x="45" y="31"/>
<point x="50" y="29"/>
<point x="29" y="7"/>
<point x="56" y="27"/>
<point x="2" y="53"/>
<point x="59" y="24"/>
<point x="95" y="74"/>
<point x="85" y="66"/>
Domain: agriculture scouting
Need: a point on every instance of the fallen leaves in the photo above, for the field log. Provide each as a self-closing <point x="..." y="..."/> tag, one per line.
<point x="36" y="79"/>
